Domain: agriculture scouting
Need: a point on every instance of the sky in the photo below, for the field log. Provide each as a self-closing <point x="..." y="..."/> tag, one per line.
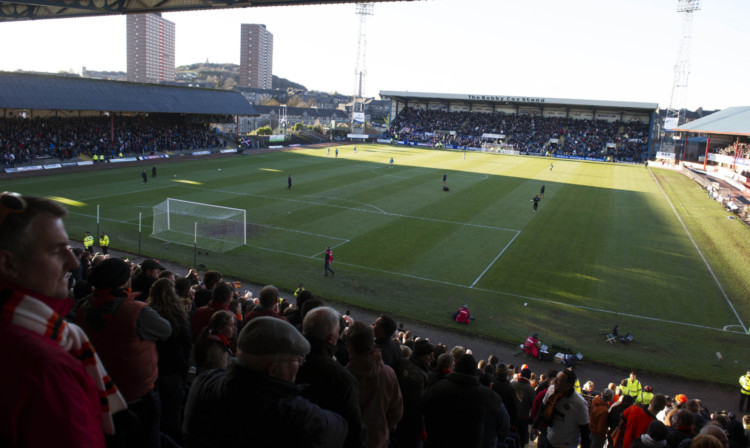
<point x="579" y="49"/>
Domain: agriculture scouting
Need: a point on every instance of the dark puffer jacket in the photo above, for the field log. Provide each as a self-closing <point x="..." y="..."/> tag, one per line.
<point x="238" y="408"/>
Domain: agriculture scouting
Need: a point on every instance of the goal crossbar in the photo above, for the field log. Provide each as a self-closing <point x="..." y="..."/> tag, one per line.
<point x="218" y="226"/>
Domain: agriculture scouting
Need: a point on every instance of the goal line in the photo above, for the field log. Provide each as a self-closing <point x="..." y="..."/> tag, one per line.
<point x="216" y="227"/>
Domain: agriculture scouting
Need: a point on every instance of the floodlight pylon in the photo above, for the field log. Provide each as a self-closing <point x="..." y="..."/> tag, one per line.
<point x="363" y="10"/>
<point x="675" y="115"/>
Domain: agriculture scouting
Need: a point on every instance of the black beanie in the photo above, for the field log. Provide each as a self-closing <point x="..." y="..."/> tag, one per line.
<point x="110" y="273"/>
<point x="422" y="347"/>
<point x="467" y="365"/>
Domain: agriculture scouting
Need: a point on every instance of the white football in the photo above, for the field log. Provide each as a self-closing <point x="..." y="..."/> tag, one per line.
<point x="525" y="304"/>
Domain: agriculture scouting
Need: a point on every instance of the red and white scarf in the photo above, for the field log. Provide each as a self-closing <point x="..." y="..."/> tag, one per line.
<point x="30" y="313"/>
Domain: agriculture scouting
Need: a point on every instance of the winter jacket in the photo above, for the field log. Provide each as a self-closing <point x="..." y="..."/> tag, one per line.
<point x="329" y="385"/>
<point x="525" y="395"/>
<point x="379" y="396"/>
<point x="508" y="394"/>
<point x="598" y="417"/>
<point x="459" y="412"/>
<point x="239" y="407"/>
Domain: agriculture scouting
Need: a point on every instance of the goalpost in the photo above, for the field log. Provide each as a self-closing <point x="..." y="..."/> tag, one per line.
<point x="210" y="227"/>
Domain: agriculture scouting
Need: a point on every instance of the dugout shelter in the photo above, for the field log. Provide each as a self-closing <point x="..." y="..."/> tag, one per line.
<point x="625" y="111"/>
<point x="721" y="130"/>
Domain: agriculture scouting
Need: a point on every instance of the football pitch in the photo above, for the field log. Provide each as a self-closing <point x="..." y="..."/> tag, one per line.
<point x="610" y="244"/>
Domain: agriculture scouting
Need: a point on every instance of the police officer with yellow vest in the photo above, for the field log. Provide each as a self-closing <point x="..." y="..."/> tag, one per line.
<point x="88" y="243"/>
<point x="633" y="387"/>
<point x="298" y="290"/>
<point x="745" y="391"/>
<point x="646" y="396"/>
<point x="104" y="243"/>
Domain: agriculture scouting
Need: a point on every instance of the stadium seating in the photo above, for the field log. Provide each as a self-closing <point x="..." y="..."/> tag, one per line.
<point x="25" y="139"/>
<point x="527" y="133"/>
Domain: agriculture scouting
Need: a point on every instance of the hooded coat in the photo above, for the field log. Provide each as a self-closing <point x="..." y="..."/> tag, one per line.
<point x="380" y="397"/>
<point x="459" y="411"/>
<point x="598" y="417"/>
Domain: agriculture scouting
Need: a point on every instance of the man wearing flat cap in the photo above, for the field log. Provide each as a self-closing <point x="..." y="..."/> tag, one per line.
<point x="412" y="377"/>
<point x="255" y="402"/>
<point x="125" y="331"/>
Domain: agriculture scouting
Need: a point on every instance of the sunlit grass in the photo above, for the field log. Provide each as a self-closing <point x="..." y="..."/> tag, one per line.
<point x="604" y="247"/>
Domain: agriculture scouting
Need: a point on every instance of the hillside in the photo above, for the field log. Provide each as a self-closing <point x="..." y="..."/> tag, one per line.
<point x="226" y="75"/>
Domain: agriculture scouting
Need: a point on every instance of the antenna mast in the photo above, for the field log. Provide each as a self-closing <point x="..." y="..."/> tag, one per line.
<point x="360" y="69"/>
<point x="675" y="115"/>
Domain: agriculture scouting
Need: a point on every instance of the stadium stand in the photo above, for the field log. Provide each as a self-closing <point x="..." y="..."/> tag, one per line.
<point x="25" y="139"/>
<point x="45" y="116"/>
<point x="529" y="134"/>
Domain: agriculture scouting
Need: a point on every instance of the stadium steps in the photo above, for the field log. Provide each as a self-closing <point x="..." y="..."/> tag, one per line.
<point x="314" y="137"/>
<point x="307" y="138"/>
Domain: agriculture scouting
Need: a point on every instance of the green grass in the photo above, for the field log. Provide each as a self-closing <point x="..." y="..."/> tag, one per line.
<point x="605" y="247"/>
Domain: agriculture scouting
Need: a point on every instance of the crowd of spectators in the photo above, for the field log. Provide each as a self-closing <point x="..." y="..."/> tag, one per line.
<point x="742" y="150"/>
<point x="112" y="367"/>
<point x="25" y="139"/>
<point x="532" y="134"/>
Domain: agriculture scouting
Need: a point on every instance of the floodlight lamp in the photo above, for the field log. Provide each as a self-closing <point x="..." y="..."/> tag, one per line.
<point x="688" y="5"/>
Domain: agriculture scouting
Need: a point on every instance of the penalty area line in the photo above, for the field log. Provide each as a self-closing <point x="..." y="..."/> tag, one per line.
<point x="518" y="232"/>
<point x="326" y="204"/>
<point x="85" y="215"/>
<point x="519" y="296"/>
<point x="295" y="231"/>
<point x="332" y="247"/>
<point x="399" y="274"/>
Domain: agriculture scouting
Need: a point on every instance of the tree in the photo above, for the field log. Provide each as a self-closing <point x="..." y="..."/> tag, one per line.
<point x="265" y="130"/>
<point x="214" y="79"/>
<point x="293" y="101"/>
<point x="298" y="127"/>
<point x="270" y="102"/>
<point x="229" y="83"/>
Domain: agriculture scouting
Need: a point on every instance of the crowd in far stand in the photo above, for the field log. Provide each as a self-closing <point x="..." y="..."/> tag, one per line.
<point x="101" y="353"/>
<point x="740" y="150"/>
<point x="532" y="134"/>
<point x="24" y="139"/>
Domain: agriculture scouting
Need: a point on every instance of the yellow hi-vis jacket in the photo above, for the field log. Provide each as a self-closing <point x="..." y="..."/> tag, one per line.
<point x="645" y="398"/>
<point x="745" y="383"/>
<point x="634" y="388"/>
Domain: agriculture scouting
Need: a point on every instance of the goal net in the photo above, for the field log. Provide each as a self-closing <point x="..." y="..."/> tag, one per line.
<point x="210" y="227"/>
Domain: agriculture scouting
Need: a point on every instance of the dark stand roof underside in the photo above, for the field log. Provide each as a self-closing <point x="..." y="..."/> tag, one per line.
<point x="47" y="92"/>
